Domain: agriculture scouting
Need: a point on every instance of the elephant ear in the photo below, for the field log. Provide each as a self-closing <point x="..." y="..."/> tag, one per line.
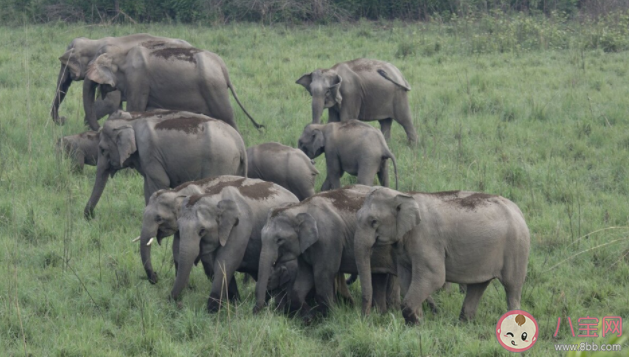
<point x="227" y="220"/>
<point x="71" y="62"/>
<point x="407" y="214"/>
<point x="335" y="90"/>
<point x="308" y="232"/>
<point x="305" y="81"/>
<point x="102" y="70"/>
<point x="125" y="142"/>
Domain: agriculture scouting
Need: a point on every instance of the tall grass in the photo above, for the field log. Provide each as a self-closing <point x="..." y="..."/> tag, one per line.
<point x="541" y="125"/>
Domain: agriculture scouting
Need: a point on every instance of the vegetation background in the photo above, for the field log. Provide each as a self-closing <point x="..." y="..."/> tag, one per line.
<point x="531" y="106"/>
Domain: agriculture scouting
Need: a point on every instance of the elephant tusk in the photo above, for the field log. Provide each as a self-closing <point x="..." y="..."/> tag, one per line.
<point x="150" y="241"/>
<point x="135" y="240"/>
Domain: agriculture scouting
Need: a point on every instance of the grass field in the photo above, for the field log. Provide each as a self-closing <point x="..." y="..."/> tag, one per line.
<point x="545" y="126"/>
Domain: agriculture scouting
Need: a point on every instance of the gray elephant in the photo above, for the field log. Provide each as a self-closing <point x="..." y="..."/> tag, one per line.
<point x="223" y="229"/>
<point x="152" y="75"/>
<point x="164" y="208"/>
<point x="350" y="146"/>
<point x="456" y="236"/>
<point x="168" y="148"/>
<point x="81" y="148"/>
<point x="74" y="62"/>
<point x="284" y="165"/>
<point x="363" y="89"/>
<point x="318" y="233"/>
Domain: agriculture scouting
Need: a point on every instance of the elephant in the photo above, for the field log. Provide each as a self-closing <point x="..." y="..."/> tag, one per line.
<point x="363" y="89"/>
<point x="74" y="63"/>
<point x="81" y="148"/>
<point x="223" y="230"/>
<point x="456" y="236"/>
<point x="152" y="75"/>
<point x="350" y="146"/>
<point x="168" y="148"/>
<point x="164" y="207"/>
<point x="283" y="165"/>
<point x="318" y="233"/>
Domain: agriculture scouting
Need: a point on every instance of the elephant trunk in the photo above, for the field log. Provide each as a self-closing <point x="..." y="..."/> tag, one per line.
<point x="63" y="84"/>
<point x="89" y="96"/>
<point x="317" y="108"/>
<point x="102" y="175"/>
<point x="267" y="257"/>
<point x="363" y="242"/>
<point x="188" y="252"/>
<point x="145" y="251"/>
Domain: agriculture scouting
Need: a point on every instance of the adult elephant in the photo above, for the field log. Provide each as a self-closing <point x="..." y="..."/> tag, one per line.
<point x="223" y="231"/>
<point x="456" y="236"/>
<point x="318" y="233"/>
<point x="168" y="148"/>
<point x="152" y="76"/>
<point x="363" y="89"/>
<point x="74" y="63"/>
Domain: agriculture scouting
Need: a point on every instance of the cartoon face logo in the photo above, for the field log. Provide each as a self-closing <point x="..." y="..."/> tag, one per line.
<point x="517" y="331"/>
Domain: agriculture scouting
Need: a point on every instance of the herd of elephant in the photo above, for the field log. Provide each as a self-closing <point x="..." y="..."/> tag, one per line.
<point x="254" y="210"/>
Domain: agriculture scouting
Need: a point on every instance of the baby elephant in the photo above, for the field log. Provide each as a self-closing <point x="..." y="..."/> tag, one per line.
<point x="283" y="165"/>
<point x="350" y="146"/>
<point x="81" y="148"/>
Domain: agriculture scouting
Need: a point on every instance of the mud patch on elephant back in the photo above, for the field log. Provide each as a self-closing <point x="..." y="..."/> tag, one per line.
<point x="177" y="53"/>
<point x="353" y="124"/>
<point x="158" y="113"/>
<point x="276" y="211"/>
<point x="215" y="189"/>
<point x="258" y="191"/>
<point x="443" y="194"/>
<point x="274" y="147"/>
<point x="477" y="199"/>
<point x="155" y="44"/>
<point x="189" y="125"/>
<point x="342" y="200"/>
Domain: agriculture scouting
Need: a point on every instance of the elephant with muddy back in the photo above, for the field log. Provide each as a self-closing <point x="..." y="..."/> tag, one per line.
<point x="456" y="236"/>
<point x="74" y="64"/>
<point x="363" y="89"/>
<point x="223" y="230"/>
<point x="168" y="148"/>
<point x="154" y="75"/>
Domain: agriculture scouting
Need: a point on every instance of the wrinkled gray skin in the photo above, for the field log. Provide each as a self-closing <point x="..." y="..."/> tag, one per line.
<point x="283" y="165"/>
<point x="457" y="236"/>
<point x="363" y="89"/>
<point x="168" y="148"/>
<point x="155" y="75"/>
<point x="351" y="146"/>
<point x="223" y="229"/>
<point x="74" y="62"/>
<point x="81" y="148"/>
<point x="318" y="232"/>
<point x="164" y="208"/>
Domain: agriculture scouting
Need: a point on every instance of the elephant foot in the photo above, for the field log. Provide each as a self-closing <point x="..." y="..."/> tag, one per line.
<point x="410" y="317"/>
<point x="258" y="308"/>
<point x="152" y="276"/>
<point x="213" y="305"/>
<point x="59" y="120"/>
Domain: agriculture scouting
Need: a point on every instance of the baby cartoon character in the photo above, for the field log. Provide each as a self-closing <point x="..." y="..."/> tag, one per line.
<point x="517" y="331"/>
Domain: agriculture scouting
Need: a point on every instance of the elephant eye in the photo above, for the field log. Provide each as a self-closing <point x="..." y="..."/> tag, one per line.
<point x="280" y="241"/>
<point x="158" y="218"/>
<point x="373" y="223"/>
<point x="201" y="232"/>
<point x="524" y="336"/>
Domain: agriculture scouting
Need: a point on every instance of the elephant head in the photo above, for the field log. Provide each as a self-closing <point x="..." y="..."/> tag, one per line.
<point x="116" y="146"/>
<point x="208" y="223"/>
<point x="285" y="237"/>
<point x="325" y="88"/>
<point x="103" y="73"/>
<point x="312" y="140"/>
<point x="385" y="217"/>
<point x="160" y="220"/>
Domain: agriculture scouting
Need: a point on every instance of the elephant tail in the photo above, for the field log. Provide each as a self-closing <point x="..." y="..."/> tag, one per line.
<point x="404" y="85"/>
<point x="389" y="155"/>
<point x="258" y="126"/>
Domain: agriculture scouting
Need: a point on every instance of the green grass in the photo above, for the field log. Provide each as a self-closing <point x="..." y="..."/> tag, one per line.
<point x="545" y="126"/>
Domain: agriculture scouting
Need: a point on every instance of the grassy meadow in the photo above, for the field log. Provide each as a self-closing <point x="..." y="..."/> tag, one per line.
<point x="540" y="121"/>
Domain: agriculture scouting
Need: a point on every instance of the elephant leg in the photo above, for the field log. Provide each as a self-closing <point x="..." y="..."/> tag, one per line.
<point x="383" y="173"/>
<point x="385" y="128"/>
<point x="175" y="249"/>
<point x="304" y="282"/>
<point x="225" y="266"/>
<point x="393" y="292"/>
<point x="379" y="298"/>
<point x="432" y="305"/>
<point x="424" y="281"/>
<point x="324" y="287"/>
<point x="366" y="172"/>
<point x="326" y="185"/>
<point x="218" y="104"/>
<point x="404" y="278"/>
<point x="232" y="291"/>
<point x="403" y="116"/>
<point x="472" y="298"/>
<point x="514" y="292"/>
<point x="342" y="290"/>
<point x="156" y="180"/>
<point x="334" y="173"/>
